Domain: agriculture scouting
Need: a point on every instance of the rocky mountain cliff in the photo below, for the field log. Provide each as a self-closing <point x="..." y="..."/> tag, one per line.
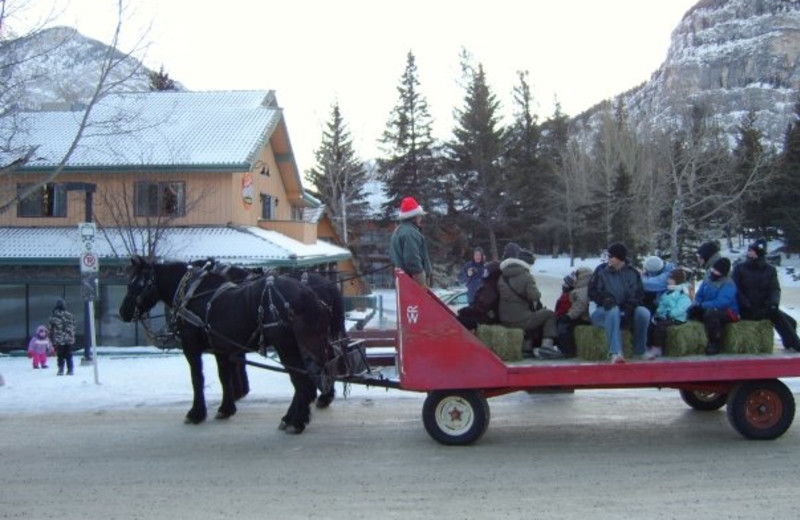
<point x="60" y="66"/>
<point x="731" y="56"/>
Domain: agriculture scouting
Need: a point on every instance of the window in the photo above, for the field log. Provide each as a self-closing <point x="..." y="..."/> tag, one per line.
<point x="160" y="199"/>
<point x="48" y="200"/>
<point x="266" y="206"/>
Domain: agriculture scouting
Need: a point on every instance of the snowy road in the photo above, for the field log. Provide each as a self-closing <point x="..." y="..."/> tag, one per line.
<point x="612" y="454"/>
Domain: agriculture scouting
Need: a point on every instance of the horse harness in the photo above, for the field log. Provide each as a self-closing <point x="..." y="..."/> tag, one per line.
<point x="268" y="316"/>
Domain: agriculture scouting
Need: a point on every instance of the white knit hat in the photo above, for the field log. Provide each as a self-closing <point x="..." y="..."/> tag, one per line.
<point x="653" y="264"/>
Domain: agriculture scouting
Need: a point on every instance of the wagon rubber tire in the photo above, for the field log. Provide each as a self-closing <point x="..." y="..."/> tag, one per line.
<point x="761" y="410"/>
<point x="704" y="401"/>
<point x="456" y="417"/>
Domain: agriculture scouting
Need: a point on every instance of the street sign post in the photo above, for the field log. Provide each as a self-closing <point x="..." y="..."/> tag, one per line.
<point x="89" y="264"/>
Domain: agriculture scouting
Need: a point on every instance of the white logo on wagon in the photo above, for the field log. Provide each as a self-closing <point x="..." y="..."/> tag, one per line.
<point x="412" y="313"/>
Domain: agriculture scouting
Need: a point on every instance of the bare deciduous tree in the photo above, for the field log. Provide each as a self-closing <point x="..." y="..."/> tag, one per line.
<point x="16" y="148"/>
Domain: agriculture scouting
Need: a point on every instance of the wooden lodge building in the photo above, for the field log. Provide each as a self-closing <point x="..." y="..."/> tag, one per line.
<point x="170" y="175"/>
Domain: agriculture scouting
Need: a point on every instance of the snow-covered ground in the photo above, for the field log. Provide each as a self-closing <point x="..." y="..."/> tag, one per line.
<point x="146" y="376"/>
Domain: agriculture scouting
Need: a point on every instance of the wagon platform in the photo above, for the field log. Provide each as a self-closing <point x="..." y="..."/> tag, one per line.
<point x="435" y="354"/>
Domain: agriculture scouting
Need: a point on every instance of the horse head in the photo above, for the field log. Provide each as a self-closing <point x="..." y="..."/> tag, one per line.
<point x="142" y="292"/>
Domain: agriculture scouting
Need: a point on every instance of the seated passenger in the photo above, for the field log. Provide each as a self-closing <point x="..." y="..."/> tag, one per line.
<point x="715" y="304"/>
<point x="673" y="307"/>
<point x="654" y="280"/>
<point x="759" y="294"/>
<point x="520" y="305"/>
<point x="616" y="287"/>
<point x="572" y="308"/>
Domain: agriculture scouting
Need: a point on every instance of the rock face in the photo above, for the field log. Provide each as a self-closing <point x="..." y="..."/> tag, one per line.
<point x="59" y="66"/>
<point x="730" y="56"/>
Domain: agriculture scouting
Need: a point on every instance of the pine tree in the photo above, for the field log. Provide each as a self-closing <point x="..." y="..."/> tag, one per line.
<point x="558" y="186"/>
<point x="526" y="172"/>
<point x="160" y="81"/>
<point x="407" y="168"/>
<point x="754" y="211"/>
<point x="787" y="211"/>
<point x="339" y="176"/>
<point x="475" y="153"/>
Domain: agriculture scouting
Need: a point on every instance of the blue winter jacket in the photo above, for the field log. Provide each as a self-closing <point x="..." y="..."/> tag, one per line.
<point x="473" y="282"/>
<point x="674" y="304"/>
<point x="657" y="283"/>
<point x="719" y="294"/>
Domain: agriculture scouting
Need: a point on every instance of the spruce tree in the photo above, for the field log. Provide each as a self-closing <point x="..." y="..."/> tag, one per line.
<point x="338" y="177"/>
<point x="475" y="154"/>
<point x="160" y="81"/>
<point x="754" y="211"/>
<point x="526" y="172"/>
<point x="407" y="166"/>
<point x="787" y="211"/>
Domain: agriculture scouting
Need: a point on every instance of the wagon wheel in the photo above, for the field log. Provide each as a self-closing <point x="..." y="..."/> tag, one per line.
<point x="704" y="401"/>
<point x="456" y="417"/>
<point x="761" y="410"/>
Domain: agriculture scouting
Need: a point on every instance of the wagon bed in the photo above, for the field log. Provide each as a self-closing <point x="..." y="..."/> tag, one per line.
<point x="437" y="355"/>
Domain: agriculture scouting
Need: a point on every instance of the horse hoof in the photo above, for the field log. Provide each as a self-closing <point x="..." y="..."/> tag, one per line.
<point x="323" y="402"/>
<point x="282" y="426"/>
<point x="294" y="430"/>
<point x="193" y="420"/>
<point x="222" y="416"/>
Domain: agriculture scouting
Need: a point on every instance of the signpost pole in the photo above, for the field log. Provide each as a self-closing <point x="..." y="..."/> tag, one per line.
<point x="90" y="268"/>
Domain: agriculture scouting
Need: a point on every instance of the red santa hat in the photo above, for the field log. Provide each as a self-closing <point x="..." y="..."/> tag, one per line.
<point x="409" y="208"/>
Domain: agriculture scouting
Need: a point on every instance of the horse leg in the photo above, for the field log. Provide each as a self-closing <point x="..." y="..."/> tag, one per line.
<point x="225" y="370"/>
<point x="326" y="398"/>
<point x="241" y="384"/>
<point x="197" y="413"/>
<point x="299" y="413"/>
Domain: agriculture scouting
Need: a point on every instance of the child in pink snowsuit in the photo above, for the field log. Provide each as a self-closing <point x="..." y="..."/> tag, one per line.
<point x="40" y="347"/>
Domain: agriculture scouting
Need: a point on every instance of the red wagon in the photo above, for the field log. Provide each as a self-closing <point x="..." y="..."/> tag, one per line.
<point x="437" y="355"/>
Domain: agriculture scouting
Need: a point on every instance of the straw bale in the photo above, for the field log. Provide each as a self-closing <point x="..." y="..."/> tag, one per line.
<point x="748" y="337"/>
<point x="688" y="339"/>
<point x="591" y="345"/>
<point x="503" y="341"/>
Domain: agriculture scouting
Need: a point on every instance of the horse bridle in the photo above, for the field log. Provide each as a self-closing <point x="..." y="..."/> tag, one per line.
<point x="147" y="287"/>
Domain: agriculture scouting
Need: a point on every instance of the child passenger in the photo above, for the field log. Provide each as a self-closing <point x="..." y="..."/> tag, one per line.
<point x="39" y="347"/>
<point x="673" y="307"/>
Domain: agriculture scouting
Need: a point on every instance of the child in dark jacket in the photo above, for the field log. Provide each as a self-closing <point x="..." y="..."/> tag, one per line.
<point x="39" y="347"/>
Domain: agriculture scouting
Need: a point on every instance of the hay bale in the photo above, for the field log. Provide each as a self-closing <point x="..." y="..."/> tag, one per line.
<point x="503" y="341"/>
<point x="591" y="344"/>
<point x="748" y="337"/>
<point x="688" y="339"/>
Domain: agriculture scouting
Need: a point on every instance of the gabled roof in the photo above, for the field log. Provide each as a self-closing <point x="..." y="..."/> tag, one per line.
<point x="187" y="130"/>
<point x="235" y="245"/>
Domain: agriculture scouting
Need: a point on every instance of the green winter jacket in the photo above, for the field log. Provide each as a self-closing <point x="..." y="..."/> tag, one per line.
<point x="408" y="249"/>
<point x="514" y="309"/>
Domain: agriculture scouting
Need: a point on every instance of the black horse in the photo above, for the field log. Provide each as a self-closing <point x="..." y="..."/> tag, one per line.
<point x="326" y="290"/>
<point x="215" y="315"/>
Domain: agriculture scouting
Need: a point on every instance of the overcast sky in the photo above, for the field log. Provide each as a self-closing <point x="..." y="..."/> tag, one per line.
<point x="317" y="51"/>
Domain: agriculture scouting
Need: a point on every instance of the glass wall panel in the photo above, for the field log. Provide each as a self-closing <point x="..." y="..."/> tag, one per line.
<point x="13" y="326"/>
<point x="112" y="331"/>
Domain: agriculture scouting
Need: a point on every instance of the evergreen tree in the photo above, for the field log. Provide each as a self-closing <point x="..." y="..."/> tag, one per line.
<point x="754" y="211"/>
<point x="558" y="184"/>
<point x="478" y="179"/>
<point x="526" y="172"/>
<point x="339" y="176"/>
<point x="787" y="211"/>
<point x="160" y="81"/>
<point x="408" y="168"/>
